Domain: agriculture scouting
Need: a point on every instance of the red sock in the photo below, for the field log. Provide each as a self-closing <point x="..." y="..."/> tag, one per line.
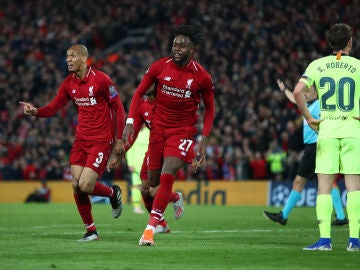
<point x="161" y="199"/>
<point x="102" y="190"/>
<point x="174" y="197"/>
<point x="148" y="201"/>
<point x="84" y="207"/>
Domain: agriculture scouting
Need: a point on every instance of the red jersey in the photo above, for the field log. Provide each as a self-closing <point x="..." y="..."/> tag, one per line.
<point x="97" y="102"/>
<point x="178" y="94"/>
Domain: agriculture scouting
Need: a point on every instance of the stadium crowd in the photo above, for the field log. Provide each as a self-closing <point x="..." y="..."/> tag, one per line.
<point x="257" y="133"/>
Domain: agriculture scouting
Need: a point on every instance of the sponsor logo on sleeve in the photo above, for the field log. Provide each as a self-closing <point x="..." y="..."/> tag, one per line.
<point x="112" y="91"/>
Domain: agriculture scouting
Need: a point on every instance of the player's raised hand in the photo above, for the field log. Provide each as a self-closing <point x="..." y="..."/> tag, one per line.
<point x="29" y="109"/>
<point x="281" y="85"/>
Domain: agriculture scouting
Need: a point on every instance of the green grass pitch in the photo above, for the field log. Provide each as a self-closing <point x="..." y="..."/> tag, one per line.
<point x="44" y="236"/>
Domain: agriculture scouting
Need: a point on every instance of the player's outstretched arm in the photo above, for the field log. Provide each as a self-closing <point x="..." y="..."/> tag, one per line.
<point x="29" y="109"/>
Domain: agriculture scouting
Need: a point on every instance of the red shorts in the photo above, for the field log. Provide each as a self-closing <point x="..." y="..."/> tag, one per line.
<point x="90" y="154"/>
<point x="174" y="142"/>
<point x="144" y="168"/>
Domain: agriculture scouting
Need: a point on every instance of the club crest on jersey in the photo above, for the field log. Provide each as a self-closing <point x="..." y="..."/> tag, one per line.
<point x="91" y="93"/>
<point x="73" y="91"/>
<point x="167" y="78"/>
<point x="188" y="83"/>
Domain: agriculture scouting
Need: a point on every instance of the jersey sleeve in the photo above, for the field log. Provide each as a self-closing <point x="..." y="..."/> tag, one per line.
<point x="208" y="96"/>
<point x="111" y="95"/>
<point x="307" y="77"/>
<point x="59" y="101"/>
<point x="119" y="112"/>
<point x="116" y="106"/>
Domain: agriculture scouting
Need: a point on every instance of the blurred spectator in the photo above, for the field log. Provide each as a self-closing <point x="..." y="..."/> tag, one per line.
<point x="30" y="170"/>
<point x="242" y="165"/>
<point x="228" y="168"/>
<point x="259" y="166"/>
<point x="276" y="159"/>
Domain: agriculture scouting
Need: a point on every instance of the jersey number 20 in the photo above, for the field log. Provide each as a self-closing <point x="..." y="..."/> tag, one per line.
<point x="344" y="84"/>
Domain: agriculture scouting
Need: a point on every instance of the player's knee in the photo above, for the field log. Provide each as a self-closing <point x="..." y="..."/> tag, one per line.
<point x="153" y="191"/>
<point x="76" y="189"/>
<point x="154" y="178"/>
<point x="145" y="192"/>
<point x="154" y="182"/>
<point x="145" y="187"/>
<point x="75" y="186"/>
<point x="86" y="187"/>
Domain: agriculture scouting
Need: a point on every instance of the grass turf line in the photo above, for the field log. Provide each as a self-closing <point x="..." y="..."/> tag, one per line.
<point x="44" y="236"/>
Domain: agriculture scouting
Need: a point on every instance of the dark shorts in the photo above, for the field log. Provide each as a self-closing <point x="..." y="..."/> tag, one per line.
<point x="307" y="163"/>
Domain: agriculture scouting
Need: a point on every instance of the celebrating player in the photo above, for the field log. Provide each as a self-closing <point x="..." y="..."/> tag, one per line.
<point x="181" y="83"/>
<point x="97" y="133"/>
<point x="137" y="148"/>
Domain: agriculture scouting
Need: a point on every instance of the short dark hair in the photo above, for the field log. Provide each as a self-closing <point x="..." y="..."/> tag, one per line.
<point x="193" y="32"/>
<point x="338" y="36"/>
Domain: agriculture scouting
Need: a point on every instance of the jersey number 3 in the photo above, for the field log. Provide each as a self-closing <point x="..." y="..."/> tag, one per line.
<point x="98" y="160"/>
